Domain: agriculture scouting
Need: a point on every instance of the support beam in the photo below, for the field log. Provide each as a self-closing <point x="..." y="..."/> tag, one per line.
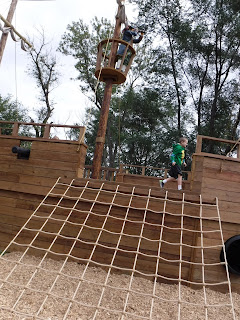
<point x="97" y="159"/>
<point x="102" y="127"/>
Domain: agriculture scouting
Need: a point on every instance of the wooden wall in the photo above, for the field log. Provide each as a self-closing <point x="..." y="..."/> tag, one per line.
<point x="24" y="183"/>
<point x="219" y="176"/>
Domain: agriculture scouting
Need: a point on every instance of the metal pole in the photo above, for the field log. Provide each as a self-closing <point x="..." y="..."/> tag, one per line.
<point x="3" y="40"/>
<point x="102" y="127"/>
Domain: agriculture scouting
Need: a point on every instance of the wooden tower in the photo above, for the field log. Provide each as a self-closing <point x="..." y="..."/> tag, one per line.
<point x="107" y="72"/>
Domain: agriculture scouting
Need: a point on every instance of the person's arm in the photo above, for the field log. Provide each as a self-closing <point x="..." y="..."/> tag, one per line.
<point x="172" y="157"/>
<point x="139" y="39"/>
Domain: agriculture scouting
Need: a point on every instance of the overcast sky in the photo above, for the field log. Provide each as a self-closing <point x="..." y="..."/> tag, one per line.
<point x="53" y="16"/>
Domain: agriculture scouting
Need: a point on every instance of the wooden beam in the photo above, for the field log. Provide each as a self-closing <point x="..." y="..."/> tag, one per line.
<point x="3" y="40"/>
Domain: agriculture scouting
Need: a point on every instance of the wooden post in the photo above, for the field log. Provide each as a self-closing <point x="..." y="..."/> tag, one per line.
<point x="3" y="40"/>
<point x="15" y="129"/>
<point x="46" y="134"/>
<point x="121" y="168"/>
<point x="238" y="150"/>
<point x="100" y="140"/>
<point x="199" y="144"/>
<point x="102" y="127"/>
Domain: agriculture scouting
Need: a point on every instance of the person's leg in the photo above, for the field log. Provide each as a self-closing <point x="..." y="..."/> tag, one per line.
<point x="168" y="179"/>
<point x="179" y="182"/>
<point x="162" y="182"/>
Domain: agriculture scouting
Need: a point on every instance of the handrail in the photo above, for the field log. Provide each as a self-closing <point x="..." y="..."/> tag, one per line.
<point x="144" y="168"/>
<point x="47" y="129"/>
<point x="108" y="173"/>
<point x="200" y="139"/>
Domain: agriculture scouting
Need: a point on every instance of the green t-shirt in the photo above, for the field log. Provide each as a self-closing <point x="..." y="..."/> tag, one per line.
<point x="178" y="154"/>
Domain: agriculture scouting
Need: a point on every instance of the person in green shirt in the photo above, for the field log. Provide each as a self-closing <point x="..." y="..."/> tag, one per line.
<point x="177" y="159"/>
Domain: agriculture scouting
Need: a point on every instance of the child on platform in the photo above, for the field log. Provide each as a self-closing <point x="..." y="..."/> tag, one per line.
<point x="177" y="159"/>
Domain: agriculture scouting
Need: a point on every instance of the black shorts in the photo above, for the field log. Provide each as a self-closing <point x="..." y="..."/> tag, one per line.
<point x="175" y="171"/>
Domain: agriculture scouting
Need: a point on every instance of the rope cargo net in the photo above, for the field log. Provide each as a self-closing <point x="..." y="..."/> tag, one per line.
<point x="103" y="252"/>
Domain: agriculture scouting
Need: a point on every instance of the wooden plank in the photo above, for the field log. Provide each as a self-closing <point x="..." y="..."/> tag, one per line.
<point x="217" y="175"/>
<point x="20" y="196"/>
<point x="26" y="188"/>
<point x="7" y="151"/>
<point x="228" y="196"/>
<point x="27" y="179"/>
<point x="226" y="185"/>
<point x="54" y="164"/>
<point x="9" y="142"/>
<point x="26" y="169"/>
<point x="223" y="165"/>
<point x="54" y="156"/>
<point x="216" y="156"/>
<point x="54" y="147"/>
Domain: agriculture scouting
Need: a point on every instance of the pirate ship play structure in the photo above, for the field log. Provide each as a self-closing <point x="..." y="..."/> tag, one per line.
<point x="128" y="223"/>
<point x="53" y="206"/>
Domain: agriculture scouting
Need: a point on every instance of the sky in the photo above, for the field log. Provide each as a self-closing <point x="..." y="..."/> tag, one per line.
<point x="53" y="16"/>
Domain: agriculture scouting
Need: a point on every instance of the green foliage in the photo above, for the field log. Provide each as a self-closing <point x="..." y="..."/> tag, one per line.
<point x="12" y="111"/>
<point x="184" y="79"/>
<point x="81" y="41"/>
<point x="198" y="46"/>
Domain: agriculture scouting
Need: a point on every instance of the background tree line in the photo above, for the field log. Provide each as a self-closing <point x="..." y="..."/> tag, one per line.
<point x="184" y="79"/>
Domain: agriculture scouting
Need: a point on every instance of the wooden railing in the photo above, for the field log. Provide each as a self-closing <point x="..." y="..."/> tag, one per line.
<point x="155" y="171"/>
<point x="126" y="168"/>
<point x="105" y="174"/>
<point x="233" y="144"/>
<point x="11" y="129"/>
<point x="110" y="173"/>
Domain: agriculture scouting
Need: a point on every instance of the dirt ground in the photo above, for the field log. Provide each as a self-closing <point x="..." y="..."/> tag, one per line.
<point x="55" y="291"/>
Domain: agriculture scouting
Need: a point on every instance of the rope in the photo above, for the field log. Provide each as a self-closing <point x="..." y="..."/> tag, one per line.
<point x="116" y="223"/>
<point x="202" y="258"/>
<point x="13" y="33"/>
<point x="180" y="262"/>
<point x="233" y="147"/>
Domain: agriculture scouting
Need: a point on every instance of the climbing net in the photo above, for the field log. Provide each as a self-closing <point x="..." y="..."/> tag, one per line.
<point x="95" y="250"/>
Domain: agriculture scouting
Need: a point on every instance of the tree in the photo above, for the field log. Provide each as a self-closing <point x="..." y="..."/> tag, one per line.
<point x="81" y="41"/>
<point x="43" y="68"/>
<point x="142" y="112"/>
<point x="202" y="40"/>
<point x="12" y="111"/>
<point x="160" y="19"/>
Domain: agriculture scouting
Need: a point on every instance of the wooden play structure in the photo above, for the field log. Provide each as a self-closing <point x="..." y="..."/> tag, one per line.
<point x="24" y="182"/>
<point x="86" y="242"/>
<point x="127" y="225"/>
<point x="106" y="63"/>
